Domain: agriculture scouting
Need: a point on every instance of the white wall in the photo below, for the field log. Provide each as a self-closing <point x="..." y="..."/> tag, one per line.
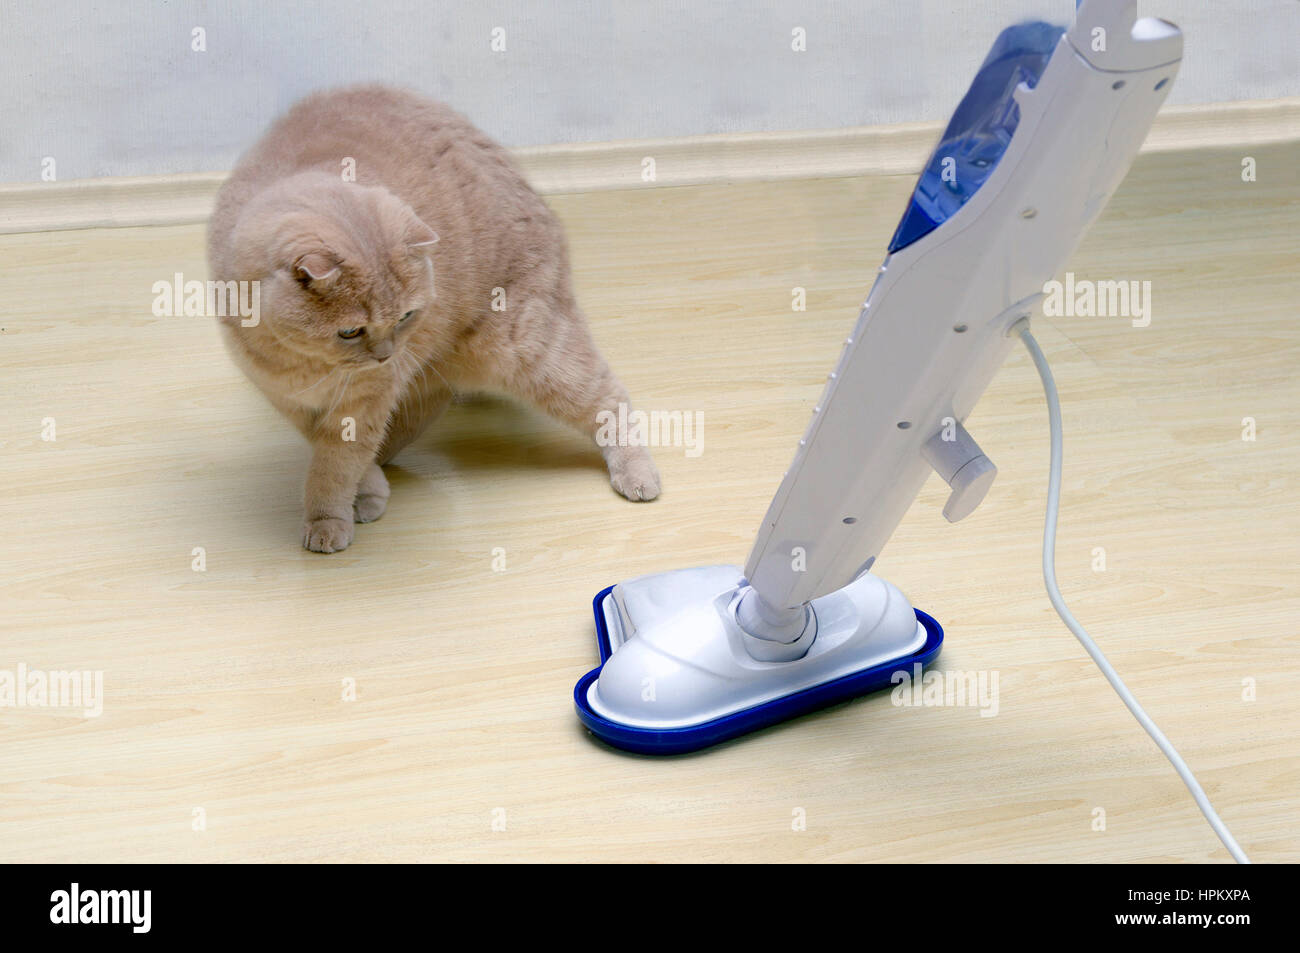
<point x="114" y="88"/>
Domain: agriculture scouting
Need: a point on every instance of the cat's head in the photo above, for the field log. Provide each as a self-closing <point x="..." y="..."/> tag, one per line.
<point x="346" y="269"/>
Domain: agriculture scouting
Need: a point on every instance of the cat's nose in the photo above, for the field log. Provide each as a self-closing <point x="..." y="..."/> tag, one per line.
<point x="382" y="350"/>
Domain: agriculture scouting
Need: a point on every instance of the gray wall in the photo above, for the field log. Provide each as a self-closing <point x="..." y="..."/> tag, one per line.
<point x="113" y="88"/>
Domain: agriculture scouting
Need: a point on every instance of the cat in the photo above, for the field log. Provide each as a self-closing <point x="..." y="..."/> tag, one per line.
<point x="402" y="259"/>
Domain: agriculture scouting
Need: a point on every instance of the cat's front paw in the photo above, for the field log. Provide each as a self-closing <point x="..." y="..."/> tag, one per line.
<point x="327" y="535"/>
<point x="633" y="474"/>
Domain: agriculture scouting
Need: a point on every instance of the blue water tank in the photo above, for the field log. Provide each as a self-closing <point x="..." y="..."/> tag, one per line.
<point x="979" y="131"/>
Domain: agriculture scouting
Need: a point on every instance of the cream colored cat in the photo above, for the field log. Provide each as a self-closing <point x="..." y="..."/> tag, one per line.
<point x="377" y="294"/>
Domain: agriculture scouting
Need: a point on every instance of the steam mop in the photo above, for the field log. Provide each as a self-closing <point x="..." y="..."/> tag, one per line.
<point x="1040" y="141"/>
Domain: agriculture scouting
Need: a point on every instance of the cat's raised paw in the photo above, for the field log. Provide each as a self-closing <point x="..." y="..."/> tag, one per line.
<point x="327" y="535"/>
<point x="635" y="476"/>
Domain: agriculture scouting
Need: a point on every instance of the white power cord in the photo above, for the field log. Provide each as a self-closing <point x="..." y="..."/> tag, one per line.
<point x="1054" y="593"/>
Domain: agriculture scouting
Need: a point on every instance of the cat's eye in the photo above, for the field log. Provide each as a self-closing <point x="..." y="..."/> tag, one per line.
<point x="348" y="334"/>
<point x="407" y="316"/>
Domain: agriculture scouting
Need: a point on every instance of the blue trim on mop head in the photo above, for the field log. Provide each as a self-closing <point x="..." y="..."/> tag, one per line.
<point x="695" y="737"/>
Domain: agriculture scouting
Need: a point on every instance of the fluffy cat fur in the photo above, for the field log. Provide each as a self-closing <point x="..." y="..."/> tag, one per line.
<point x="410" y="254"/>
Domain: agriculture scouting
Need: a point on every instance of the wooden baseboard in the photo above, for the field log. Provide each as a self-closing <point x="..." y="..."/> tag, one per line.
<point x="588" y="167"/>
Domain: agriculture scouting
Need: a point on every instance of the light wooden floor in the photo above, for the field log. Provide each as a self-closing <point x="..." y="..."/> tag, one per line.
<point x="223" y="688"/>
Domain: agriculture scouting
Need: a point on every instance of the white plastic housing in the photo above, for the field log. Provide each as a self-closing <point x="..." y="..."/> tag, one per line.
<point x="680" y="659"/>
<point x="933" y="330"/>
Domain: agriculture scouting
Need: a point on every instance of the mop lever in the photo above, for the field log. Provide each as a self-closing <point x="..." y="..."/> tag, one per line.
<point x="956" y="457"/>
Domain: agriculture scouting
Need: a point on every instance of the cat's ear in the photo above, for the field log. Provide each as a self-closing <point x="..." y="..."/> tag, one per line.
<point x="419" y="235"/>
<point x="318" y="268"/>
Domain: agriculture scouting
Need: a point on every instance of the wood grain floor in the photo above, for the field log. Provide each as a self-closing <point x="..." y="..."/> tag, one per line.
<point x="223" y="706"/>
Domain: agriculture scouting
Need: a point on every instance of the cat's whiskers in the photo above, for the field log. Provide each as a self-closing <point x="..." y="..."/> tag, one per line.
<point x="440" y="377"/>
<point x="270" y="326"/>
<point x="429" y="365"/>
<point x="424" y="391"/>
<point x="424" y="378"/>
<point x="411" y="365"/>
<point x="404" y="374"/>
<point x="328" y="374"/>
<point x="423" y="366"/>
<point x="408" y="373"/>
<point x="343" y="389"/>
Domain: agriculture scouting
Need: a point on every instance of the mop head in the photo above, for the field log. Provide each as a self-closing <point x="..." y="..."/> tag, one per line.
<point x="699" y="687"/>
